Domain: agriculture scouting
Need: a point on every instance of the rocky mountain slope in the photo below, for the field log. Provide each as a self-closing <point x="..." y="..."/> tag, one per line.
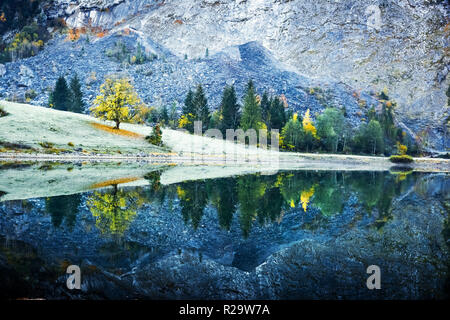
<point x="346" y="48"/>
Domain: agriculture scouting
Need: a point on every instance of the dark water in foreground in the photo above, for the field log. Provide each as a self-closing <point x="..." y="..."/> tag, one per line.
<point x="291" y="235"/>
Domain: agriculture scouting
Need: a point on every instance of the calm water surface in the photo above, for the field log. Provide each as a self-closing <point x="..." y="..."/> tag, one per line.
<point x="289" y="235"/>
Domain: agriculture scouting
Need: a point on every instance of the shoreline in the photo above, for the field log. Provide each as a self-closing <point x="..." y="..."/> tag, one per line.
<point x="279" y="161"/>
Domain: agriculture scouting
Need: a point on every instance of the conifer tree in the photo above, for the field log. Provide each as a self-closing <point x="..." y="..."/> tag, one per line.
<point x="189" y="103"/>
<point x="77" y="104"/>
<point x="251" y="113"/>
<point x="61" y="97"/>
<point x="265" y="109"/>
<point x="201" y="107"/>
<point x="229" y="110"/>
<point x="277" y="114"/>
<point x="188" y="113"/>
<point x="164" y="115"/>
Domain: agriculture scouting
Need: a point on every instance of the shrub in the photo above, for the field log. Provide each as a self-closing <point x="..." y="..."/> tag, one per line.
<point x="401" y="148"/>
<point x="3" y="113"/>
<point x="70" y="144"/>
<point x="156" y="136"/>
<point x="30" y="94"/>
<point x="46" y="144"/>
<point x="401" y="159"/>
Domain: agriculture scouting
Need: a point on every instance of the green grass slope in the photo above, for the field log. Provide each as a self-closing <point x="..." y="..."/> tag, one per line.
<point x="37" y="127"/>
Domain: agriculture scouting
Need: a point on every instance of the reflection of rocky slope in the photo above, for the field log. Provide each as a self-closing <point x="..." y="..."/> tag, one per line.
<point x="305" y="256"/>
<point x="324" y="40"/>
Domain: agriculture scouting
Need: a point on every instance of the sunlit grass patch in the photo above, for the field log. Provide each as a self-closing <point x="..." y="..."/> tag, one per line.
<point x="120" y="132"/>
<point x="112" y="182"/>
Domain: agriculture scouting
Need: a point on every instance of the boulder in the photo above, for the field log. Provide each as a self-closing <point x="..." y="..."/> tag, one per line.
<point x="2" y="70"/>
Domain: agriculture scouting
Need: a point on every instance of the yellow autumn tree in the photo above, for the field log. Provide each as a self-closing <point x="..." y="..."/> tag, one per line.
<point x="186" y="121"/>
<point x="118" y="101"/>
<point x="308" y="125"/>
<point x="401" y="148"/>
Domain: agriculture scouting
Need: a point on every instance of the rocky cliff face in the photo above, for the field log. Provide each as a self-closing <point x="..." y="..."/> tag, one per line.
<point x="400" y="45"/>
<point x="370" y="45"/>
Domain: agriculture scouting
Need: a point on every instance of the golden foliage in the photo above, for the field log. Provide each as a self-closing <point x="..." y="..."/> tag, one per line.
<point x="401" y="148"/>
<point x="74" y="34"/>
<point x="118" y="101"/>
<point x="308" y="126"/>
<point x="113" y="211"/>
<point x="185" y="120"/>
<point x="305" y="196"/>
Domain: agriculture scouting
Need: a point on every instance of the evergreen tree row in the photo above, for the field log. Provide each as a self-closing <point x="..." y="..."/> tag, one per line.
<point x="256" y="113"/>
<point x="331" y="131"/>
<point x="67" y="97"/>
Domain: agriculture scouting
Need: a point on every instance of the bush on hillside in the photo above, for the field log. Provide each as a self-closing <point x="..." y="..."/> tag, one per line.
<point x="401" y="159"/>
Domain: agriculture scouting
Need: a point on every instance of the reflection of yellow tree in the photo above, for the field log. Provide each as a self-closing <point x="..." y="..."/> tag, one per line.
<point x="295" y="186"/>
<point x="114" y="211"/>
<point x="305" y="196"/>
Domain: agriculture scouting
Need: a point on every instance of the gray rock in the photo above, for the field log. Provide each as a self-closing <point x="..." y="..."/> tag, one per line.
<point x="2" y="70"/>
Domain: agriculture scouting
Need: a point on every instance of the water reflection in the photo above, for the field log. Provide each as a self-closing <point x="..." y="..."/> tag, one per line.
<point x="114" y="210"/>
<point x="63" y="208"/>
<point x="286" y="231"/>
<point x="255" y="198"/>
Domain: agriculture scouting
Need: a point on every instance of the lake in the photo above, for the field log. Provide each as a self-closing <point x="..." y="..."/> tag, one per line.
<point x="271" y="235"/>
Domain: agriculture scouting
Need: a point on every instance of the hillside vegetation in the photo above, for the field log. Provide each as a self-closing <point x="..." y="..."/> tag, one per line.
<point x="32" y="129"/>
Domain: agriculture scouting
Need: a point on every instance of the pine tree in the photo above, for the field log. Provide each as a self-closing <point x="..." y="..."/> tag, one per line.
<point x="370" y="138"/>
<point x="188" y="113"/>
<point x="60" y="98"/>
<point x="265" y="109"/>
<point x="229" y="110"/>
<point x="201" y="107"/>
<point x="251" y="113"/>
<point x="77" y="104"/>
<point x="164" y="115"/>
<point x="277" y="114"/>
<point x="189" y="103"/>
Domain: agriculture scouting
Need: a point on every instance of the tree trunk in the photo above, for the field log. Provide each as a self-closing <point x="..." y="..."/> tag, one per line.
<point x="117" y="124"/>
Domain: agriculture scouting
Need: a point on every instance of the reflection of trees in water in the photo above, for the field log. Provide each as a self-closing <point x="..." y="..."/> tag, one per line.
<point x="114" y="210"/>
<point x="193" y="199"/>
<point x="222" y="193"/>
<point x="250" y="191"/>
<point x="63" y="208"/>
<point x="253" y="197"/>
<point x="376" y="190"/>
<point x="265" y="198"/>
